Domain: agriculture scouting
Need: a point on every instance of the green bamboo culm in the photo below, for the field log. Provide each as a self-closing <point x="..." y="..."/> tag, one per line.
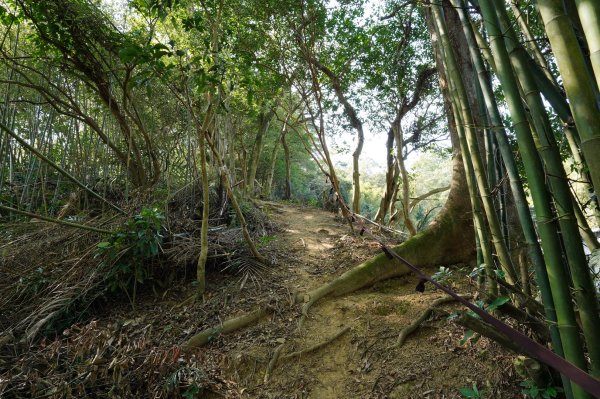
<point x="577" y="82"/>
<point x="521" y="204"/>
<point x="589" y="15"/>
<point x="473" y="148"/>
<point x="555" y="96"/>
<point x="548" y="231"/>
<point x="557" y="178"/>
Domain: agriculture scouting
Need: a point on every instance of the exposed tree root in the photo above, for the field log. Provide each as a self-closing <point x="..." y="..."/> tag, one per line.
<point x="451" y="236"/>
<point x="424" y="316"/>
<point x="273" y="362"/>
<point x="228" y="326"/>
<point x="277" y="353"/>
<point x="315" y="347"/>
<point x="448" y="240"/>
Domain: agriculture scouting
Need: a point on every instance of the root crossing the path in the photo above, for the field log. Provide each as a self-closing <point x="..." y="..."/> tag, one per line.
<point x="337" y="333"/>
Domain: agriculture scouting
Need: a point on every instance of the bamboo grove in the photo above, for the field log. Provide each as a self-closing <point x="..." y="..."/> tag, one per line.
<point x="524" y="84"/>
<point x="114" y="109"/>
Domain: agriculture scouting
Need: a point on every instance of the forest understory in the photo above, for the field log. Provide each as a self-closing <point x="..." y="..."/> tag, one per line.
<point x="299" y="199"/>
<point x="346" y="347"/>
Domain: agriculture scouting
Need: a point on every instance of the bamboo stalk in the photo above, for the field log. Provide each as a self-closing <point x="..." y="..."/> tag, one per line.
<point x="576" y="80"/>
<point x="69" y="176"/>
<point x="471" y="137"/>
<point x="57" y="221"/>
<point x="557" y="178"/>
<point x="567" y="327"/>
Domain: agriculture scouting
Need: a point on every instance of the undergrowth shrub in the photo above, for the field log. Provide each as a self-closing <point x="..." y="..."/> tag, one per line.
<point x="125" y="253"/>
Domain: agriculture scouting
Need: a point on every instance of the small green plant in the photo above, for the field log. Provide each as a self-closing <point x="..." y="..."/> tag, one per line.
<point x="312" y="202"/>
<point x="472" y="392"/>
<point x="125" y="251"/>
<point x="477" y="271"/>
<point x="187" y="381"/>
<point x="265" y="240"/>
<point x="470" y="336"/>
<point x="495" y="304"/>
<point x="530" y="390"/>
<point x="443" y="275"/>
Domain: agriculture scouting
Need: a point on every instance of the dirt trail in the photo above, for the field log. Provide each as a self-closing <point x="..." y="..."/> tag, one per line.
<point x="361" y="363"/>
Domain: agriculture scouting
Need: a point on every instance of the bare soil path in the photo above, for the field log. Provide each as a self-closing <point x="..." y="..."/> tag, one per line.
<point x="362" y="362"/>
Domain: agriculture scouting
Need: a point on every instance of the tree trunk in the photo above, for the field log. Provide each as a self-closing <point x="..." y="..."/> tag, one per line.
<point x="399" y="136"/>
<point x="268" y="188"/>
<point x="390" y="180"/>
<point x="466" y="115"/>
<point x="287" y="189"/>
<point x="264" y="120"/>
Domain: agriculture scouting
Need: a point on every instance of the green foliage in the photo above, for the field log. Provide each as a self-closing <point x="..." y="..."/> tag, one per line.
<point x="7" y="17"/>
<point x="265" y="240"/>
<point x="496" y="303"/>
<point x="530" y="390"/>
<point x="187" y="382"/>
<point x="470" y="336"/>
<point x="126" y="252"/>
<point x="443" y="275"/>
<point x="154" y="8"/>
<point x="489" y="307"/>
<point x="477" y="271"/>
<point x="472" y="392"/>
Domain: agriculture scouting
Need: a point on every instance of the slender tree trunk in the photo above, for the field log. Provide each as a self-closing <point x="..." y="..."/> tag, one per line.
<point x="399" y="136"/>
<point x="390" y="180"/>
<point x="264" y="120"/>
<point x="287" y="188"/>
<point x="356" y="123"/>
<point x="268" y="188"/>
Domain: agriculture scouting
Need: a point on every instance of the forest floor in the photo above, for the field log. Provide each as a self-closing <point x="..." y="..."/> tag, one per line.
<point x="310" y="248"/>
<point x="313" y="247"/>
